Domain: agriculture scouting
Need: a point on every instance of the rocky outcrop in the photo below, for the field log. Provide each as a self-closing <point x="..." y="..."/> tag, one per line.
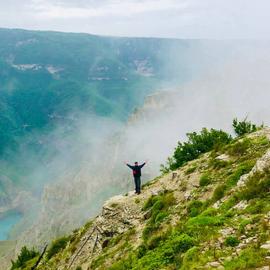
<point x="224" y="230"/>
<point x="119" y="214"/>
<point x="262" y="163"/>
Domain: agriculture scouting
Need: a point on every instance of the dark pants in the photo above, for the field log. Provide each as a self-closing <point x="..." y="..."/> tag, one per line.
<point x="137" y="181"/>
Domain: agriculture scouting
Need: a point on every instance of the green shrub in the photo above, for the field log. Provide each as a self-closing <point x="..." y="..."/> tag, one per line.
<point x="232" y="241"/>
<point x="25" y="256"/>
<point x="199" y="226"/>
<point x="243" y="224"/>
<point x="257" y="206"/>
<point x="232" y="180"/>
<point x="218" y="163"/>
<point x="249" y="258"/>
<point x="202" y="221"/>
<point x="158" y="202"/>
<point x="141" y="251"/>
<point x="168" y="199"/>
<point x="137" y="200"/>
<point x="191" y="170"/>
<point x="164" y="254"/>
<point x="197" y="144"/>
<point x="163" y="250"/>
<point x="210" y="212"/>
<point x="78" y="268"/>
<point x="256" y="186"/>
<point x="57" y="245"/>
<point x="219" y="192"/>
<point x="115" y="240"/>
<point x="160" y="217"/>
<point x="240" y="147"/>
<point x="190" y="257"/>
<point x="150" y="202"/>
<point x="194" y="208"/>
<point x="228" y="204"/>
<point x="154" y="241"/>
<point x="182" y="243"/>
<point x="205" y="180"/>
<point x="158" y="206"/>
<point x="242" y="169"/>
<point x="243" y="127"/>
<point x="124" y="264"/>
<point x="230" y="213"/>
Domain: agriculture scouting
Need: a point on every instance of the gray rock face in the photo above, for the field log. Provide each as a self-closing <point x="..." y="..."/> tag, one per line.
<point x="241" y="205"/>
<point x="223" y="157"/>
<point x="119" y="214"/>
<point x="264" y="268"/>
<point x="261" y="164"/>
<point x="266" y="246"/>
<point x="215" y="264"/>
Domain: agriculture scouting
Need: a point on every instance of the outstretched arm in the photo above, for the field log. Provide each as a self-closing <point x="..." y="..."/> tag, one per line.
<point x="131" y="167"/>
<point x="143" y="164"/>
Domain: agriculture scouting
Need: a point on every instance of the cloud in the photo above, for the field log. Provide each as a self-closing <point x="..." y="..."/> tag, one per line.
<point x="128" y="8"/>
<point x="218" y="19"/>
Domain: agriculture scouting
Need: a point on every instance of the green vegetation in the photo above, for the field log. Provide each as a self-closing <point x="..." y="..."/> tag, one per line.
<point x="205" y="180"/>
<point x="197" y="225"/>
<point x="257" y="206"/>
<point x="219" y="192"/>
<point x="190" y="258"/>
<point x="207" y="140"/>
<point x="249" y="258"/>
<point x="217" y="163"/>
<point x="256" y="186"/>
<point x="24" y="257"/>
<point x="57" y="245"/>
<point x="232" y="179"/>
<point x="191" y="169"/>
<point x="194" y="208"/>
<point x="239" y="148"/>
<point x="165" y="254"/>
<point x="243" y="127"/>
<point x="232" y="241"/>
<point x="158" y="207"/>
<point x="197" y="144"/>
<point x="242" y="169"/>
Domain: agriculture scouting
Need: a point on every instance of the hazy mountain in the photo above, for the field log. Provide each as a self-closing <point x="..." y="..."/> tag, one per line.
<point x="47" y="78"/>
<point x="53" y="85"/>
<point x="44" y="76"/>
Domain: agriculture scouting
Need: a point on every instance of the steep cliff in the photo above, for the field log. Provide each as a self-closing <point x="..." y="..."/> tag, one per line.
<point x="212" y="213"/>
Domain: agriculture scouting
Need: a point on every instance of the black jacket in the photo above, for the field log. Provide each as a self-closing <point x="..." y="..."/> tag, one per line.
<point x="136" y="169"/>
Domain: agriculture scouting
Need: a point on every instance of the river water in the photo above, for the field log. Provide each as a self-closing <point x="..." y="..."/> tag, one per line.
<point x="7" y="222"/>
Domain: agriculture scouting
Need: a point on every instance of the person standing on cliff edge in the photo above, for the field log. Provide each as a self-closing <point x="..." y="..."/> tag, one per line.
<point x="136" y="169"/>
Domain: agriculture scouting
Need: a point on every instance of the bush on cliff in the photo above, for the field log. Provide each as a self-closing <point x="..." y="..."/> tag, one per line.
<point x="25" y="256"/>
<point x="197" y="144"/>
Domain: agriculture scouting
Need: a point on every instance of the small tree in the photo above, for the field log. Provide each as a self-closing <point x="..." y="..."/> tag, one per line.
<point x="197" y="144"/>
<point x="244" y="127"/>
<point x="25" y="256"/>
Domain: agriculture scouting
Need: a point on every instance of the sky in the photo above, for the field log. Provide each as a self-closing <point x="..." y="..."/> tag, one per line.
<point x="217" y="19"/>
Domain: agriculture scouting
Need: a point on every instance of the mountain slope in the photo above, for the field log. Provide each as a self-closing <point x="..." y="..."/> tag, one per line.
<point x="45" y="76"/>
<point x="51" y="84"/>
<point x="212" y="213"/>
